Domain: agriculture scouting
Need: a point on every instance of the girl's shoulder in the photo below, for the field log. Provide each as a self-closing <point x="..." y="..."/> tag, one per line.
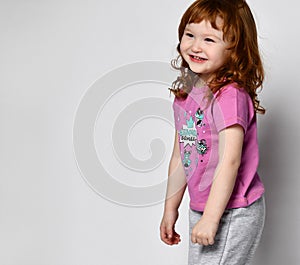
<point x="232" y="90"/>
<point x="232" y="96"/>
<point x="231" y="86"/>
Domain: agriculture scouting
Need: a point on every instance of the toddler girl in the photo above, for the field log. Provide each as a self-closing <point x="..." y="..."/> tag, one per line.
<point x="215" y="151"/>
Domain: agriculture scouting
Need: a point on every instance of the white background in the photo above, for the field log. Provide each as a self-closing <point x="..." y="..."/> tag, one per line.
<point x="51" y="52"/>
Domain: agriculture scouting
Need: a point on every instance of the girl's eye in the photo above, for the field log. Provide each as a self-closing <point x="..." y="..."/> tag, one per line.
<point x="209" y="40"/>
<point x="190" y="35"/>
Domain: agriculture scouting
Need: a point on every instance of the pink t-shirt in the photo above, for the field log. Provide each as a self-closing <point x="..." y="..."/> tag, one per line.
<point x="198" y="120"/>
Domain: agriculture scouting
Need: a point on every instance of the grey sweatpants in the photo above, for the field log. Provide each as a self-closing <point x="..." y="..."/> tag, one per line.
<point x="237" y="238"/>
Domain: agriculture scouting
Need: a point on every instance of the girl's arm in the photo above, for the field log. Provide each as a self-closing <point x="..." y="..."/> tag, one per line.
<point x="230" y="150"/>
<point x="175" y="190"/>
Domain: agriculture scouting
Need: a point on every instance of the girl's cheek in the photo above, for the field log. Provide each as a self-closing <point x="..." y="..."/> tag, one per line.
<point x="183" y="45"/>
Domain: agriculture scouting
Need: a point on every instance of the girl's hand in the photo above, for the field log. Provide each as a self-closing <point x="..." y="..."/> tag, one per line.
<point x="204" y="232"/>
<point x="167" y="228"/>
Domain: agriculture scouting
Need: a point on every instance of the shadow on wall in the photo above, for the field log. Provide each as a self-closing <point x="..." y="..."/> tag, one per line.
<point x="274" y="166"/>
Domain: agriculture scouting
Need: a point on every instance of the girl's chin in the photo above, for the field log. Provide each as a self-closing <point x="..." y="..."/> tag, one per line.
<point x="195" y="70"/>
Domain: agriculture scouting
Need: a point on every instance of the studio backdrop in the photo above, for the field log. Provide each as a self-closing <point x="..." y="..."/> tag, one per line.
<point x="87" y="131"/>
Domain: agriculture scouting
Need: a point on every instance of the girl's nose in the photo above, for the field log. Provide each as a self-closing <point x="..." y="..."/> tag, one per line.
<point x="196" y="47"/>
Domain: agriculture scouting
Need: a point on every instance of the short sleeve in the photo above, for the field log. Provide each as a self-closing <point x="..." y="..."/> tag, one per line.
<point x="230" y="107"/>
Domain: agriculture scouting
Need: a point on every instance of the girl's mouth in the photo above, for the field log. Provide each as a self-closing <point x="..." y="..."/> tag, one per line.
<point x="197" y="59"/>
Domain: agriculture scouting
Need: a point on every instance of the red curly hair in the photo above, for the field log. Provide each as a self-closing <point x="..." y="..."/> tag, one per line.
<point x="244" y="65"/>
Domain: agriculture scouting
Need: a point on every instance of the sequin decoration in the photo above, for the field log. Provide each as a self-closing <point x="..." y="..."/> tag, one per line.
<point x="186" y="161"/>
<point x="199" y="115"/>
<point x="202" y="147"/>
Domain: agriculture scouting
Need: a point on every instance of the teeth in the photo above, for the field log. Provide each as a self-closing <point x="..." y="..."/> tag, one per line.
<point x="198" y="58"/>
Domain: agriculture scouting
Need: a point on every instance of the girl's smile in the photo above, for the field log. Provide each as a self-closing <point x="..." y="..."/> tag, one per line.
<point x="197" y="59"/>
<point x="203" y="48"/>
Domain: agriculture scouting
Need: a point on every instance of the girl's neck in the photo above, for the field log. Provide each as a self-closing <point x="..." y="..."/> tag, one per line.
<point x="201" y="82"/>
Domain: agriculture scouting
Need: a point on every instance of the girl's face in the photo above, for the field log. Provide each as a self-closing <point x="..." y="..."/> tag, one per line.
<point x="203" y="48"/>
